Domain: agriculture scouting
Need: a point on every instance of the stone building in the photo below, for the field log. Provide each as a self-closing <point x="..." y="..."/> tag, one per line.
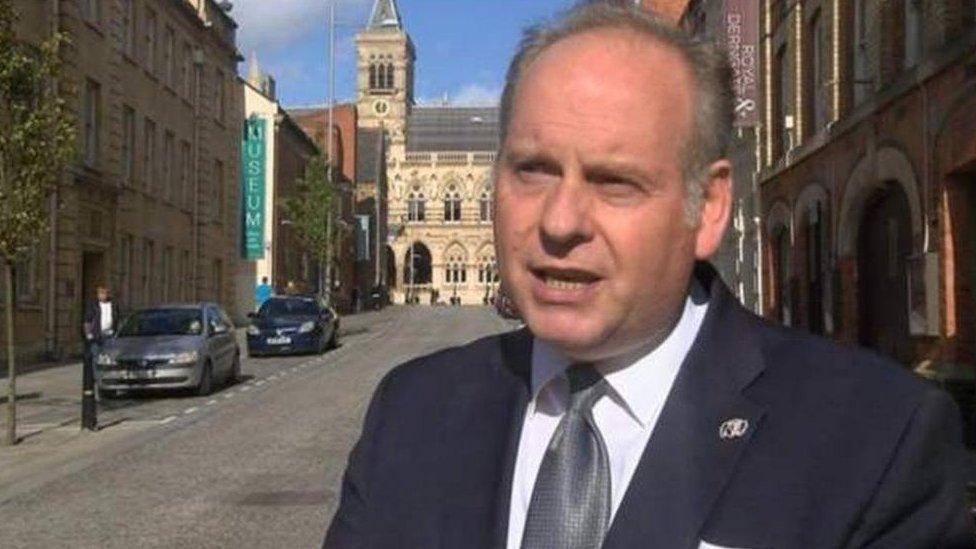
<point x="438" y="164"/>
<point x="868" y="159"/>
<point x="286" y="153"/>
<point x="149" y="208"/>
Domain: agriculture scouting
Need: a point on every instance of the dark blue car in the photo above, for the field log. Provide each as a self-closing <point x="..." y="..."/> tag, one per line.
<point x="292" y="324"/>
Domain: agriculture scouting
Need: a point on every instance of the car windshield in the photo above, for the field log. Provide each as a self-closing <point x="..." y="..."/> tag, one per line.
<point x="162" y="322"/>
<point x="288" y="307"/>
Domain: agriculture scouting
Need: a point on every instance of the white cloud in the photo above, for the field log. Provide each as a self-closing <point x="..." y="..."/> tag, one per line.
<point x="471" y="95"/>
<point x="269" y="25"/>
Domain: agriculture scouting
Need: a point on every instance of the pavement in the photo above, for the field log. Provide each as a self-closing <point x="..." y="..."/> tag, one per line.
<point x="256" y="464"/>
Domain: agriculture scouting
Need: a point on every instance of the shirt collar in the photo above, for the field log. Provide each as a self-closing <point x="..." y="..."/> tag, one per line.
<point x="641" y="380"/>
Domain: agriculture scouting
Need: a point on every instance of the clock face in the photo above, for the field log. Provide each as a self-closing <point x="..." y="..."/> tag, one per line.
<point x="381" y="107"/>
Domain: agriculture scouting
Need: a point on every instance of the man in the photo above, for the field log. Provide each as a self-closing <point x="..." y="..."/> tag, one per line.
<point x="642" y="406"/>
<point x="101" y="319"/>
<point x="262" y="292"/>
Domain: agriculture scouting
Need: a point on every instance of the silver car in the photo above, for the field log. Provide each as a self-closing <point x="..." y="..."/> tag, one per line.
<point x="170" y="347"/>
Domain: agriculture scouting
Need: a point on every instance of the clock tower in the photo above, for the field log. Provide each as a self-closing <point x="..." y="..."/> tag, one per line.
<point x="385" y="72"/>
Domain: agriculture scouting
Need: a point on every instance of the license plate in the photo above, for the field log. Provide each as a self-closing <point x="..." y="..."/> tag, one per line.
<point x="139" y="374"/>
<point x="283" y="340"/>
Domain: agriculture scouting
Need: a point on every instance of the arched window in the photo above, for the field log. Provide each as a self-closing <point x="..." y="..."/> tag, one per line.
<point x="389" y="76"/>
<point x="372" y="77"/>
<point x="416" y="206"/>
<point x="487" y="269"/>
<point x="485" y="206"/>
<point x="380" y="76"/>
<point x="862" y="77"/>
<point x="452" y="204"/>
<point x="455" y="270"/>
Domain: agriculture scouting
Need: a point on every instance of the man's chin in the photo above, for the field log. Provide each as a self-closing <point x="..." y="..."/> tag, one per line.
<point x="571" y="334"/>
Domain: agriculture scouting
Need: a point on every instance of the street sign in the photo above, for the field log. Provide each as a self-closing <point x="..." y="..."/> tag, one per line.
<point x="741" y="37"/>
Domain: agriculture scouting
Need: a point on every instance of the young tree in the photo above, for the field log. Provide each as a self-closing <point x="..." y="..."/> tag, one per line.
<point x="310" y="210"/>
<point x="36" y="141"/>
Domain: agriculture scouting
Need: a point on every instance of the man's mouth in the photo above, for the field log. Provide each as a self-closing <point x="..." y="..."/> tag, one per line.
<point x="565" y="279"/>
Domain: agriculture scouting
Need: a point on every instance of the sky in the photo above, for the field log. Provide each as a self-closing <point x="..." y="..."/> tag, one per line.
<point x="463" y="46"/>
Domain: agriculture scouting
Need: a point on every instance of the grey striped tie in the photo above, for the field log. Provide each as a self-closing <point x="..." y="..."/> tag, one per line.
<point x="570" y="506"/>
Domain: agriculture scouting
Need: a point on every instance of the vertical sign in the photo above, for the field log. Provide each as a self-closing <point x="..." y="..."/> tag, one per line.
<point x="253" y="159"/>
<point x="741" y="34"/>
<point x="362" y="238"/>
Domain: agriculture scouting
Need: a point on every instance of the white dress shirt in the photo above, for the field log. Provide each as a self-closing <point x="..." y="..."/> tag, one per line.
<point x="105" y="316"/>
<point x="626" y="418"/>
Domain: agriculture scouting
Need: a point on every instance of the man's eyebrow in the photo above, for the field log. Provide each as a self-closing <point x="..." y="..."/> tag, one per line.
<point x="620" y="169"/>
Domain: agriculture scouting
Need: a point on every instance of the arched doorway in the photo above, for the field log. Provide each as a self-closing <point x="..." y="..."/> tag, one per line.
<point x="812" y="223"/>
<point x="883" y="246"/>
<point x="417" y="265"/>
<point x="782" y="276"/>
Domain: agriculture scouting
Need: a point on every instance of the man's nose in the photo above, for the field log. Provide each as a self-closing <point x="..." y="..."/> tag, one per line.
<point x="565" y="222"/>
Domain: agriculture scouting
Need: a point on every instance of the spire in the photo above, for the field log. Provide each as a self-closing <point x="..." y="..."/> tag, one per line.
<point x="254" y="70"/>
<point x="385" y="14"/>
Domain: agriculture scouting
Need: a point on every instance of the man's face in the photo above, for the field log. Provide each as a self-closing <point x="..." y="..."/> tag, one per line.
<point x="592" y="238"/>
<point x="103" y="294"/>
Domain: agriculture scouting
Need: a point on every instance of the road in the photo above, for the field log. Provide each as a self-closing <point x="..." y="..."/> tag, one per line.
<point x="257" y="464"/>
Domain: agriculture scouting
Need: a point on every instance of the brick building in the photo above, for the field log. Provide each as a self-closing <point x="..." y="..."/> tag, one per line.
<point x="868" y="174"/>
<point x="314" y="121"/>
<point x="149" y="207"/>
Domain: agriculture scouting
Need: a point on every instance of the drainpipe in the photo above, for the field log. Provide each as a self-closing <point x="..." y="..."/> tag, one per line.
<point x="50" y="330"/>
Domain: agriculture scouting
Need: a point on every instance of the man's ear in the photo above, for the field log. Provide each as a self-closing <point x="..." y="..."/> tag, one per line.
<point x="716" y="209"/>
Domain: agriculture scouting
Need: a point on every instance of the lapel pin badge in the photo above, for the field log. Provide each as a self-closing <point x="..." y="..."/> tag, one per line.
<point x="733" y="428"/>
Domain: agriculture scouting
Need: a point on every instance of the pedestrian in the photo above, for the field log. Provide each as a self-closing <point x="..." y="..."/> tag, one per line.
<point x="642" y="405"/>
<point x="99" y="322"/>
<point x="262" y="292"/>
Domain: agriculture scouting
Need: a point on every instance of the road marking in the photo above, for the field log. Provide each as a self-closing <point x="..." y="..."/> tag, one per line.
<point x="166" y="420"/>
<point x="190" y="410"/>
<point x="229" y="395"/>
<point x="245" y="389"/>
<point x="211" y="402"/>
<point x="259" y="383"/>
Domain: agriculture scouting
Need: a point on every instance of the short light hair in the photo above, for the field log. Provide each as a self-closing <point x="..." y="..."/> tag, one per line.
<point x="713" y="105"/>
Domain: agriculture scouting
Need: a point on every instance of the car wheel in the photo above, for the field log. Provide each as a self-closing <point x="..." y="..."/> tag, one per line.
<point x="205" y="387"/>
<point x="334" y="339"/>
<point x="235" y="370"/>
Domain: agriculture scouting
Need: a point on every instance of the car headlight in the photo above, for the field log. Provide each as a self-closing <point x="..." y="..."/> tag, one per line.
<point x="184" y="358"/>
<point x="307" y="327"/>
<point x="105" y="359"/>
<point x="253" y="330"/>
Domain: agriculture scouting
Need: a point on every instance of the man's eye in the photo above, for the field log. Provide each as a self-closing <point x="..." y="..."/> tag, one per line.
<point x="535" y="171"/>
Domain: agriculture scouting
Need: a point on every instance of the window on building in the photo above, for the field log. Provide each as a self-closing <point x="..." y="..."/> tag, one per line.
<point x="389" y="76"/>
<point x="167" y="274"/>
<point x="487" y="270"/>
<point x="184" y="280"/>
<point x="150" y="57"/>
<point x="128" y="149"/>
<point x="91" y="11"/>
<point x="184" y="188"/>
<point x="125" y="268"/>
<point x="455" y="269"/>
<point x="913" y="32"/>
<point x="91" y="118"/>
<point x="148" y="270"/>
<point x="784" y="102"/>
<point x="485" y="208"/>
<point x="186" y="62"/>
<point x="821" y="66"/>
<point x="128" y="35"/>
<point x="220" y="96"/>
<point x="372" y="77"/>
<point x="218" y="191"/>
<point x="218" y="280"/>
<point x="416" y="205"/>
<point x="168" y="164"/>
<point x="862" y="78"/>
<point x="169" y="56"/>
<point x="452" y="204"/>
<point x="198" y="85"/>
<point x="149" y="168"/>
<point x="25" y="279"/>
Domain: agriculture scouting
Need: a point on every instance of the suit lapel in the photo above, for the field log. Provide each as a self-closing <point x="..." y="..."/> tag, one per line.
<point x="687" y="462"/>
<point x="484" y="422"/>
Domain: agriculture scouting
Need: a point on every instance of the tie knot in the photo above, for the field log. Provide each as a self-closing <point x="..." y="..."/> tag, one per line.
<point x="586" y="386"/>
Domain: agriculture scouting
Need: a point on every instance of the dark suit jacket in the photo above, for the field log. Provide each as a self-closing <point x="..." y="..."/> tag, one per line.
<point x="843" y="449"/>
<point x="92" y="322"/>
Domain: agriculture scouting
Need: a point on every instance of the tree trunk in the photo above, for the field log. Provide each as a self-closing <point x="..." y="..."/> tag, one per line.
<point x="11" y="436"/>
